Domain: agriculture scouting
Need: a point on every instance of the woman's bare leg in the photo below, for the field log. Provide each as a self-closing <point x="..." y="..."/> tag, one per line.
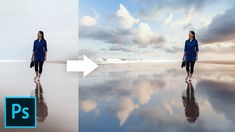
<point x="39" y="75"/>
<point x="190" y="76"/>
<point x="187" y="76"/>
<point x="35" y="78"/>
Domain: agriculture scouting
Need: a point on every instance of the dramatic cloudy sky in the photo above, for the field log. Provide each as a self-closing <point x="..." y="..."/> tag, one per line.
<point x="20" y="20"/>
<point x="156" y="29"/>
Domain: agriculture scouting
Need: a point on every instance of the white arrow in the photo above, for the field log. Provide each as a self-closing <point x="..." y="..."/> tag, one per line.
<point x="86" y="66"/>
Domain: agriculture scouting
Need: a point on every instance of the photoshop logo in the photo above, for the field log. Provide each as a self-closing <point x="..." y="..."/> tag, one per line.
<point x="20" y="112"/>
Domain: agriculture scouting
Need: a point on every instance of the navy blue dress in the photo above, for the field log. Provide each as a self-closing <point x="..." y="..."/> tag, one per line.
<point x="39" y="49"/>
<point x="191" y="47"/>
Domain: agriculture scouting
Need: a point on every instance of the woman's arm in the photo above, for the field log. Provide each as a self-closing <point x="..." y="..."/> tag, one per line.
<point x="32" y="55"/>
<point x="183" y="58"/>
<point x="197" y="50"/>
<point x="33" y="50"/>
<point x="45" y="58"/>
<point x="184" y="55"/>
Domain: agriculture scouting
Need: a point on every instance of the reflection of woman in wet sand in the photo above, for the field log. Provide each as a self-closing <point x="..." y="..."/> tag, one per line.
<point x="42" y="110"/>
<point x="191" y="107"/>
<point x="190" y="54"/>
<point x="39" y="54"/>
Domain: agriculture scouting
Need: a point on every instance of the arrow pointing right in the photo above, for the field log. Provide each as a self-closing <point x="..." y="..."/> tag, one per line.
<point x="86" y="65"/>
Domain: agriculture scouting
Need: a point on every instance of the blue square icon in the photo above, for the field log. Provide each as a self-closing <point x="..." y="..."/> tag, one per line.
<point x="20" y="112"/>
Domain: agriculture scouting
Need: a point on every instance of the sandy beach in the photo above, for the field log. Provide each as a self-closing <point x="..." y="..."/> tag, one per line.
<point x="58" y="108"/>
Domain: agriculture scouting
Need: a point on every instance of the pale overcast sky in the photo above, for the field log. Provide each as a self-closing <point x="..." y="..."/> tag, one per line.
<point x="20" y="20"/>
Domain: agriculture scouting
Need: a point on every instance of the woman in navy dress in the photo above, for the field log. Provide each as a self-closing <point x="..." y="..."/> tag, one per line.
<point x="39" y="54"/>
<point x="190" y="54"/>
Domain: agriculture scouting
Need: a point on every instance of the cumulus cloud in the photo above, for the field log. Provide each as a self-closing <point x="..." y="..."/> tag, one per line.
<point x="126" y="19"/>
<point x="221" y="29"/>
<point x="88" y="21"/>
<point x="125" y="92"/>
<point x="88" y="105"/>
<point x="168" y="19"/>
<point x="124" y="34"/>
<point x="107" y="35"/>
<point x="185" y="22"/>
<point x="146" y="88"/>
<point x="125" y="109"/>
<point x="145" y="36"/>
<point x="155" y="8"/>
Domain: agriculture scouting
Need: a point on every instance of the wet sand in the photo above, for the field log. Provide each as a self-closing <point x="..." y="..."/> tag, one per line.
<point x="155" y="97"/>
<point x="57" y="95"/>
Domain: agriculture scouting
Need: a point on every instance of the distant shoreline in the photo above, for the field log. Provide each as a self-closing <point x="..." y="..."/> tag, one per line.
<point x="129" y="62"/>
<point x="218" y="62"/>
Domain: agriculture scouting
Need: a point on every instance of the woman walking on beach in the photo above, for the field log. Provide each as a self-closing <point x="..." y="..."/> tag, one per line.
<point x="39" y="54"/>
<point x="190" y="54"/>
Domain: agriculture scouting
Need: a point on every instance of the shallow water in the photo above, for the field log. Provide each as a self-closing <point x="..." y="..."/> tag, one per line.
<point x="57" y="95"/>
<point x="155" y="97"/>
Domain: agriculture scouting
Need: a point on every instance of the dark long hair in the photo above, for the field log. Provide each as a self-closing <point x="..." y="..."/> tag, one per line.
<point x="194" y="35"/>
<point x="41" y="32"/>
